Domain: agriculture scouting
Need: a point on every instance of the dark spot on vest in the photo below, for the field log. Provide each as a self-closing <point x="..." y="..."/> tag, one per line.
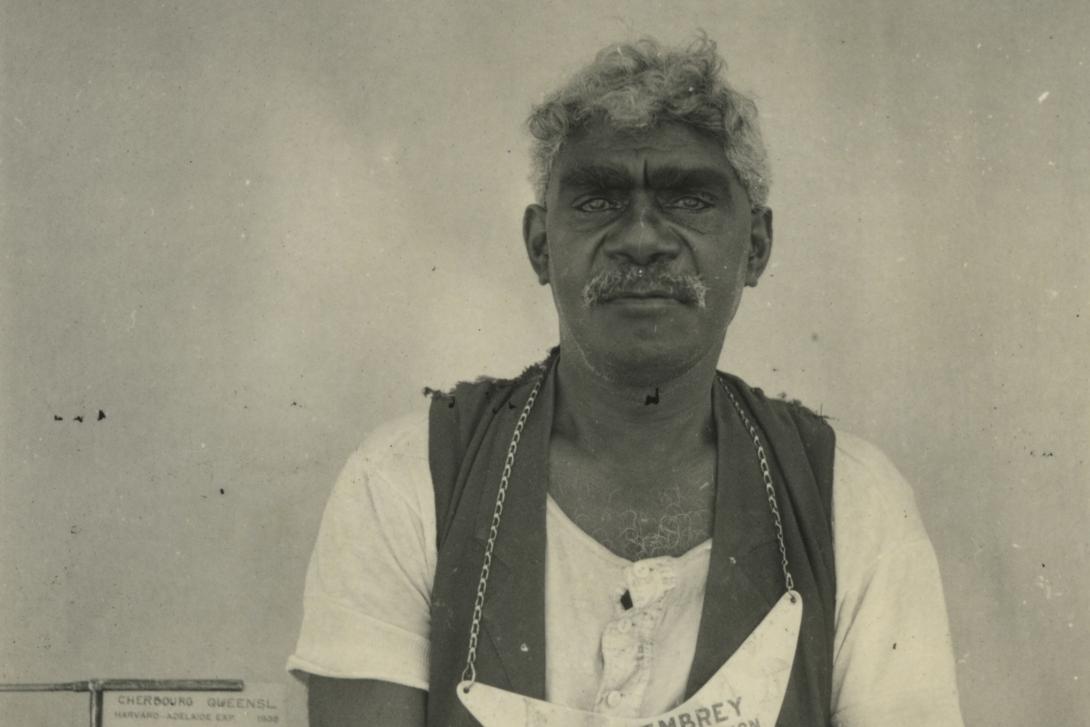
<point x="101" y="415"/>
<point x="652" y="398"/>
<point x="626" y="600"/>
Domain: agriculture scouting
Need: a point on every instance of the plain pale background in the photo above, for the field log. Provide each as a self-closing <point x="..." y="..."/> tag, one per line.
<point x="249" y="232"/>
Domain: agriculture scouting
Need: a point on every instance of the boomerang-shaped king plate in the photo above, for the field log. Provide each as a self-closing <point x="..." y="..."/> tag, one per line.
<point x="748" y="689"/>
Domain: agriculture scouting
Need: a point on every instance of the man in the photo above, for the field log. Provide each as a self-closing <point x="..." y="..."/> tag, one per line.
<point x="606" y="531"/>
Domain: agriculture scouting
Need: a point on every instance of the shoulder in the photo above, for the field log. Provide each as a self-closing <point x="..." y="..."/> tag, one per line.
<point x="471" y="397"/>
<point x="868" y="486"/>
<point x="811" y="425"/>
<point x="392" y="459"/>
<point x="874" y="511"/>
<point x="396" y="439"/>
<point x="859" y="461"/>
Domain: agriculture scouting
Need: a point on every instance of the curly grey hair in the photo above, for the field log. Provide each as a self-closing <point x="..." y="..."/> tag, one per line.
<point x="639" y="85"/>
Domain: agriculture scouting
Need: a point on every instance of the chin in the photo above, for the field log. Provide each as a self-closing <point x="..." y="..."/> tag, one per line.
<point x="641" y="354"/>
<point x="643" y="363"/>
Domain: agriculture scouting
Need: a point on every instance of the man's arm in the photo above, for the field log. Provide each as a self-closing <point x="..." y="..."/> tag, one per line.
<point x="363" y="642"/>
<point x="356" y="702"/>
<point x="893" y="663"/>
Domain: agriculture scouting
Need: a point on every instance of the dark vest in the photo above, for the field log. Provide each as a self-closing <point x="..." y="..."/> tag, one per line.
<point x="469" y="433"/>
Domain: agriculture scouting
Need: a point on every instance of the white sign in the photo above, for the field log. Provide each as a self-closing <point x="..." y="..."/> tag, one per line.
<point x="257" y="704"/>
<point x="747" y="691"/>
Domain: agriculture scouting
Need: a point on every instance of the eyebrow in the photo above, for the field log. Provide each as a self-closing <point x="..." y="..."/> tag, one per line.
<point x="673" y="177"/>
<point x="605" y="176"/>
<point x="597" y="176"/>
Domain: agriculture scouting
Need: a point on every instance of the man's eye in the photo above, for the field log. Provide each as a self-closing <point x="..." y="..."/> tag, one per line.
<point x="597" y="204"/>
<point x="689" y="203"/>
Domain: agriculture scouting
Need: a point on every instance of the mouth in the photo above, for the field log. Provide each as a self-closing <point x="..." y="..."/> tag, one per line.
<point x="644" y="295"/>
<point x="645" y="301"/>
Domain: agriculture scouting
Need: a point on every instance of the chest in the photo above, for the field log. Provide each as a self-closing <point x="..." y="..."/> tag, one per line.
<point x="594" y="645"/>
<point x="637" y="509"/>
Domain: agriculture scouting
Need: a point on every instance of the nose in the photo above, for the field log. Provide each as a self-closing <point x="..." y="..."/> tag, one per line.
<point x="642" y="236"/>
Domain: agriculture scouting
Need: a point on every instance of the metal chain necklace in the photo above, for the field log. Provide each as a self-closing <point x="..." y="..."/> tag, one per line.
<point x="766" y="475"/>
<point x="469" y="673"/>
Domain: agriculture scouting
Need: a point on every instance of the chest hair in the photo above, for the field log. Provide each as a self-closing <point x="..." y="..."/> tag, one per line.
<point x="637" y="513"/>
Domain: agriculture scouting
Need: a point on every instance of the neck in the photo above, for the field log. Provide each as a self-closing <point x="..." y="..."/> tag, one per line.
<point x="630" y="422"/>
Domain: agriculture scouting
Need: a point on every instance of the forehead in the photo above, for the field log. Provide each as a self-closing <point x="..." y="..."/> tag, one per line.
<point x="636" y="153"/>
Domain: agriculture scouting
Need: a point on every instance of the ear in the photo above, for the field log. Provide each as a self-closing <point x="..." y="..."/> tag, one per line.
<point x="760" y="244"/>
<point x="537" y="241"/>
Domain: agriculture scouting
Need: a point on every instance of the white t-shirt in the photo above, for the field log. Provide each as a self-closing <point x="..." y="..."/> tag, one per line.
<point x="368" y="590"/>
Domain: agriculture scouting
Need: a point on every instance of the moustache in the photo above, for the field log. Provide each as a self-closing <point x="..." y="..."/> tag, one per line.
<point x="638" y="280"/>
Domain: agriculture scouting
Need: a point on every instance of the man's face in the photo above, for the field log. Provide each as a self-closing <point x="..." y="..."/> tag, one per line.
<point x="634" y="225"/>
